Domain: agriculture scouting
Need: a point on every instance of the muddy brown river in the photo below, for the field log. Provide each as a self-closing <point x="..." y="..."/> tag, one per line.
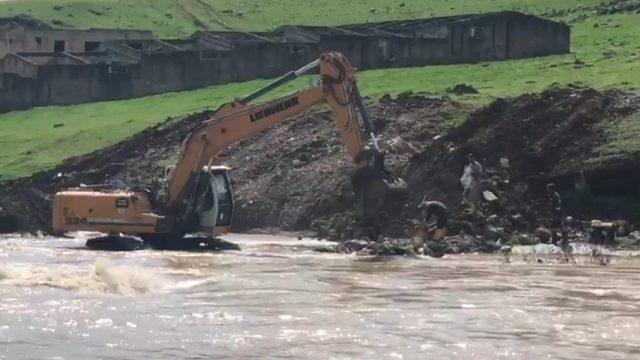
<point x="277" y="298"/>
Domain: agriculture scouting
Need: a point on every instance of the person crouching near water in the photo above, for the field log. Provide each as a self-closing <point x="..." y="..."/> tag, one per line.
<point x="438" y="210"/>
<point x="431" y="241"/>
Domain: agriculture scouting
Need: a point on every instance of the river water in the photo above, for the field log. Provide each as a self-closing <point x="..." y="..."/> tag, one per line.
<point x="277" y="298"/>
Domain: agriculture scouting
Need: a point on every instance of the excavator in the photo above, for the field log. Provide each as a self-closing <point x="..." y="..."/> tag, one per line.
<point x="198" y="195"/>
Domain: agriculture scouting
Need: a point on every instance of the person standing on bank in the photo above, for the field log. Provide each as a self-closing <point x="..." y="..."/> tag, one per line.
<point x="557" y="225"/>
<point x="471" y="181"/>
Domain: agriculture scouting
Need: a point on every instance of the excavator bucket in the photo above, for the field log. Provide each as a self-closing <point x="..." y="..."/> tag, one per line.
<point x="377" y="191"/>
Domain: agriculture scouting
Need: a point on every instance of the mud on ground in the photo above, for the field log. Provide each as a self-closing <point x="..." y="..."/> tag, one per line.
<point x="295" y="176"/>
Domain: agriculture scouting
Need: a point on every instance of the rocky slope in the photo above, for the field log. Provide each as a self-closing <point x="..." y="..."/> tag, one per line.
<point x="295" y="176"/>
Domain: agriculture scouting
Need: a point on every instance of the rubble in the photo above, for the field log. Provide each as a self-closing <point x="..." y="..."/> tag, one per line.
<point x="462" y="89"/>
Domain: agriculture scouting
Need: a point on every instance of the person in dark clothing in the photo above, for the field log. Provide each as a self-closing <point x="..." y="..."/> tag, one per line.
<point x="555" y="201"/>
<point x="440" y="212"/>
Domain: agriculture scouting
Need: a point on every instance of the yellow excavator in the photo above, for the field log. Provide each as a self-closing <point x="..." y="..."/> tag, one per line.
<point x="199" y="197"/>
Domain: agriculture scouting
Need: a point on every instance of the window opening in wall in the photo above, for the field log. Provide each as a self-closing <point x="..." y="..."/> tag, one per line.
<point x="91" y="46"/>
<point x="209" y="55"/>
<point x="137" y="46"/>
<point x="298" y="50"/>
<point x="39" y="40"/>
<point x="383" y="46"/>
<point x="115" y="68"/>
<point x="59" y="46"/>
<point x="477" y="33"/>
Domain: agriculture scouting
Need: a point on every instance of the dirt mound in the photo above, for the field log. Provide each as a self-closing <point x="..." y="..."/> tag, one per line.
<point x="291" y="176"/>
<point x="526" y="142"/>
<point x="295" y="176"/>
<point x="618" y="6"/>
<point x="523" y="143"/>
<point x="462" y="89"/>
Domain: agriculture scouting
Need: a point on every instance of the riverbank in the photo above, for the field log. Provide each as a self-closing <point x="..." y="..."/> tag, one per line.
<point x="295" y="177"/>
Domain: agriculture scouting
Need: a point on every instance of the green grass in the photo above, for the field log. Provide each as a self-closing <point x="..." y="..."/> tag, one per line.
<point x="29" y="142"/>
<point x="623" y="135"/>
<point x="605" y="54"/>
<point x="175" y="18"/>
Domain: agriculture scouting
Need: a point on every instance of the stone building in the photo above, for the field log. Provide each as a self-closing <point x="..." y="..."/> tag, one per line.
<point x="25" y="34"/>
<point x="96" y="65"/>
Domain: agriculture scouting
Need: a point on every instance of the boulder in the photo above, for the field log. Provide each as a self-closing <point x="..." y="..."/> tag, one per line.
<point x="351" y="246"/>
<point x="494" y="233"/>
<point x="543" y="235"/>
<point x="493" y="219"/>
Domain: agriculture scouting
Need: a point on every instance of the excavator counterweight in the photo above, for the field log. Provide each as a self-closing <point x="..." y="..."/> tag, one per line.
<point x="198" y="197"/>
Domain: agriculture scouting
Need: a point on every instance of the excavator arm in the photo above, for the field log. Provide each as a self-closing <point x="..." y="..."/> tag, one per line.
<point x="198" y="192"/>
<point x="238" y="120"/>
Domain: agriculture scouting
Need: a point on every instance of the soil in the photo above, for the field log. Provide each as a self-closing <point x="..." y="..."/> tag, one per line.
<point x="618" y="6"/>
<point x="296" y="176"/>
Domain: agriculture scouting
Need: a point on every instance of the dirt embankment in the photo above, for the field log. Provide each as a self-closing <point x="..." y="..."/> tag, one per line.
<point x="296" y="175"/>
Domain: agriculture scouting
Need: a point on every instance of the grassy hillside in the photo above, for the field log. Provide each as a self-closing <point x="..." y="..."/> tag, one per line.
<point x="175" y="18"/>
<point x="605" y="54"/>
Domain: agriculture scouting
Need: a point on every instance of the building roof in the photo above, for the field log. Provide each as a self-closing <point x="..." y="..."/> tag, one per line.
<point x="408" y="25"/>
<point x="25" y="20"/>
<point x="106" y="57"/>
<point x="312" y="33"/>
<point x="42" y="59"/>
<point x="233" y="36"/>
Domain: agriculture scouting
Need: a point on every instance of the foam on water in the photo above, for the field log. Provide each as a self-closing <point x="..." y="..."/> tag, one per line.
<point x="581" y="254"/>
<point x="103" y="277"/>
<point x="548" y="249"/>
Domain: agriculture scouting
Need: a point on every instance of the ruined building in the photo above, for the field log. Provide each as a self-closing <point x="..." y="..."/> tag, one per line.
<point x="45" y="66"/>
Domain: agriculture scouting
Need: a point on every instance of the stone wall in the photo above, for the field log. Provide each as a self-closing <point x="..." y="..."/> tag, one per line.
<point x="131" y="68"/>
<point x="24" y="34"/>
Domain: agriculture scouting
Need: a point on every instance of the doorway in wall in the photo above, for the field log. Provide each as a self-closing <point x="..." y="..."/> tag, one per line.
<point x="59" y="46"/>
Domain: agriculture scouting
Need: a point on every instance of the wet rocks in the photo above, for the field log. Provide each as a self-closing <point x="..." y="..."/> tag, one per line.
<point x="543" y="235"/>
<point x="351" y="246"/>
<point x="618" y="6"/>
<point x="494" y="233"/>
<point x="523" y="239"/>
<point x="461" y="243"/>
<point x="8" y="223"/>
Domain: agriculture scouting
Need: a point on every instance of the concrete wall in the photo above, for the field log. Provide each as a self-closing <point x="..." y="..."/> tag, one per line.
<point x="18" y="65"/>
<point x="530" y="36"/>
